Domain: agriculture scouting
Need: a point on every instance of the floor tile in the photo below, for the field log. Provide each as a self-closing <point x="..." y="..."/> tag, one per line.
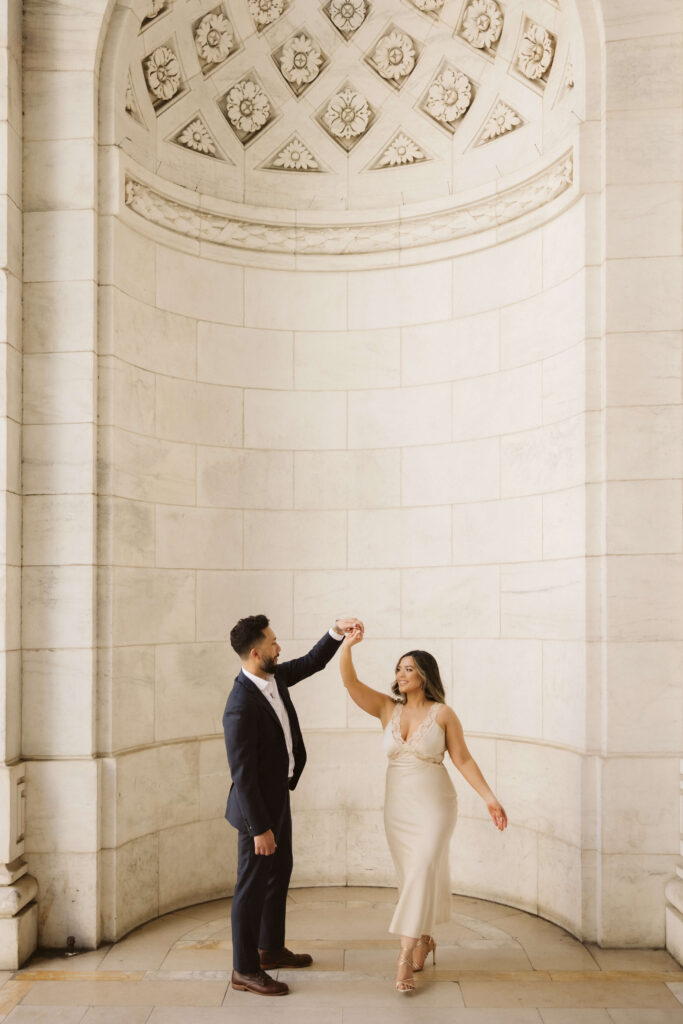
<point x="677" y="988"/>
<point x="575" y="1017"/>
<point x="634" y="959"/>
<point x="448" y="958"/>
<point x="119" y="1015"/>
<point x="126" y="993"/>
<point x="408" y="1012"/>
<point x="350" y="988"/>
<point x="646" y="1016"/>
<point x="258" y="1011"/>
<point x="577" y="995"/>
<point x="47" y="1015"/>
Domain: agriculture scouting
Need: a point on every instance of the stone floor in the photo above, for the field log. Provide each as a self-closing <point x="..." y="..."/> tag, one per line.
<point x="495" y="965"/>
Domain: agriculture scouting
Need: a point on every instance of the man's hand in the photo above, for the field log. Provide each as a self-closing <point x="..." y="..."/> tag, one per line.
<point x="265" y="843"/>
<point x="346" y="626"/>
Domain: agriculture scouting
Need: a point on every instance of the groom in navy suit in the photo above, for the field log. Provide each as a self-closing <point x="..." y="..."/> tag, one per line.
<point x="266" y="755"/>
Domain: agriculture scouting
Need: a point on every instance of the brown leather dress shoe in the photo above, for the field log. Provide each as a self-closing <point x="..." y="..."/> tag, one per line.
<point x="259" y="983"/>
<point x="270" y="959"/>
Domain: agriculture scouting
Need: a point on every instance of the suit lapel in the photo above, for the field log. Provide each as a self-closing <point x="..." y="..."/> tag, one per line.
<point x="254" y="692"/>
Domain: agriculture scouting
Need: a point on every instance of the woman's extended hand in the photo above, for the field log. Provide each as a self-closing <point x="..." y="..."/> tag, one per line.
<point x="352" y="638"/>
<point x="500" y="818"/>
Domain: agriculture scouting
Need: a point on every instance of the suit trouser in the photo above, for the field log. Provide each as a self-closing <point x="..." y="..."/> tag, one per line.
<point x="260" y="897"/>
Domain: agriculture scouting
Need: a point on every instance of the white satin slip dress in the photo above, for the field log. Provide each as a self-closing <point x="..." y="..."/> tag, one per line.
<point x="420" y="811"/>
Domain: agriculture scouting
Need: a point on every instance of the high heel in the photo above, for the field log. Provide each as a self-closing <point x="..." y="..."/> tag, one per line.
<point x="405" y="959"/>
<point x="430" y="947"/>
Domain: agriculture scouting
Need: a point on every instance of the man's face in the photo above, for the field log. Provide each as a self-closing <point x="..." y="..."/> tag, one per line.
<point x="268" y="651"/>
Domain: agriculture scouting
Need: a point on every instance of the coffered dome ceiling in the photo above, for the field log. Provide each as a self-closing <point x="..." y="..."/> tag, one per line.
<point x="345" y="104"/>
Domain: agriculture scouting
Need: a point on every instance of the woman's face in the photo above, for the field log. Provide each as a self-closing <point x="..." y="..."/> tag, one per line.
<point x="407" y="676"/>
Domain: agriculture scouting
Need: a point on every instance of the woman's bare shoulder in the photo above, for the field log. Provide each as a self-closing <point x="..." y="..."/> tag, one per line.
<point x="446" y="716"/>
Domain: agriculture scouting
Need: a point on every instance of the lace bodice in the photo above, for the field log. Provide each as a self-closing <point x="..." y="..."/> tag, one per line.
<point x="427" y="743"/>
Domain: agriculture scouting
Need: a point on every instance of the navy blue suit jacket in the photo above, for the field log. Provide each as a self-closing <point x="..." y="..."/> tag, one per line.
<point x="255" y="742"/>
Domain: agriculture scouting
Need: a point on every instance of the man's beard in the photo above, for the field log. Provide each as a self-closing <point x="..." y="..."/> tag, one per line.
<point x="269" y="665"/>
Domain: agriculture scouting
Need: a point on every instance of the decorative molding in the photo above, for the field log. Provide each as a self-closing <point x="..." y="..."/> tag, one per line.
<point x="195" y="137"/>
<point x="347" y="116"/>
<point x="482" y="24"/>
<point x="448" y="98"/>
<point x="214" y="39"/>
<point x="393" y="56"/>
<point x="535" y="53"/>
<point x="300" y="60"/>
<point x="246" y="108"/>
<point x="298" y="237"/>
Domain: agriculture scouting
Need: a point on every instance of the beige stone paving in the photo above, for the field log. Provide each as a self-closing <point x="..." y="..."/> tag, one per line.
<point x="494" y="965"/>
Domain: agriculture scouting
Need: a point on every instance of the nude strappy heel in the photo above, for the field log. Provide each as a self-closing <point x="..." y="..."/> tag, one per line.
<point x="430" y="945"/>
<point x="405" y="959"/>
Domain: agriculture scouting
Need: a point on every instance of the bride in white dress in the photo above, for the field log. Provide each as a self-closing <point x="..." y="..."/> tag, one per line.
<point x="420" y="805"/>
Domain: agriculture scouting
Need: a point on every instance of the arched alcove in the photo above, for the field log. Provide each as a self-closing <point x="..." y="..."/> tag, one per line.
<point x="357" y="385"/>
<point x="388" y="372"/>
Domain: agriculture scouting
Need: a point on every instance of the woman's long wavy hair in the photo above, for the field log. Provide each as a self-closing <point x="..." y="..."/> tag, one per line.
<point x="428" y="671"/>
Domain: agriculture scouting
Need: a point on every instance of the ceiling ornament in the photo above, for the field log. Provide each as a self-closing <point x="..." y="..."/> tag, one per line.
<point x="163" y="75"/>
<point x="347" y="117"/>
<point x="394" y="57"/>
<point x="154" y="9"/>
<point x="265" y="12"/>
<point x="432" y="7"/>
<point x="502" y="120"/>
<point x="482" y="24"/>
<point x="298" y="236"/>
<point x="535" y="53"/>
<point x="448" y="97"/>
<point x="214" y="38"/>
<point x="402" y="151"/>
<point x="196" y="137"/>
<point x="246" y="108"/>
<point x="131" y="105"/>
<point x="347" y="16"/>
<point x="295" y="155"/>
<point x="300" y="61"/>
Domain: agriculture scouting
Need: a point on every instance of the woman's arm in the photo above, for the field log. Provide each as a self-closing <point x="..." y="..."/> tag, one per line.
<point x="375" y="703"/>
<point x="468" y="767"/>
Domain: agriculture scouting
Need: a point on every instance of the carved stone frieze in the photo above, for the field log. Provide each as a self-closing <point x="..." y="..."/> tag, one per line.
<point x="260" y="235"/>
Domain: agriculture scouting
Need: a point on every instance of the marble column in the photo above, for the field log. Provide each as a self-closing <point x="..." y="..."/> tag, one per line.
<point x="18" y="910"/>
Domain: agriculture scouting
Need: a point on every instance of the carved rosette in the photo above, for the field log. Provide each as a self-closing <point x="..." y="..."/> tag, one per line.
<point x="501" y="121"/>
<point x="347" y="117"/>
<point x="162" y="75"/>
<point x="300" y="61"/>
<point x="295" y="155"/>
<point x="265" y="12"/>
<point x="214" y="38"/>
<point x="432" y="7"/>
<point x="535" y="53"/>
<point x="394" y="57"/>
<point x="448" y="98"/>
<point x="401" y="151"/>
<point x="347" y="16"/>
<point x="482" y="24"/>
<point x="247" y="109"/>
<point x="197" y="137"/>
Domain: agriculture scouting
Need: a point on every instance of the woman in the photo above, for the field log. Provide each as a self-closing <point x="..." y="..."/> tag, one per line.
<point x="420" y="806"/>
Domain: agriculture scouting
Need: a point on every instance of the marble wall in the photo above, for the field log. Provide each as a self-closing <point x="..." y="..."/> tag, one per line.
<point x="473" y="446"/>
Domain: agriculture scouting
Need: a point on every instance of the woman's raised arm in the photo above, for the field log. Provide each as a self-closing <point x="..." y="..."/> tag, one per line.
<point x="372" y="701"/>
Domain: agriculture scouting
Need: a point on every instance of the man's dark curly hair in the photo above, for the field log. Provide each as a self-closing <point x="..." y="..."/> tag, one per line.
<point x="246" y="633"/>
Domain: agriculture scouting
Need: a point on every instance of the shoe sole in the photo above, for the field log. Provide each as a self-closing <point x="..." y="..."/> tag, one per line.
<point x="256" y="992"/>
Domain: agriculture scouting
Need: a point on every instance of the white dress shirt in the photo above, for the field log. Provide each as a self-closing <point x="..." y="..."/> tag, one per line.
<point x="268" y="688"/>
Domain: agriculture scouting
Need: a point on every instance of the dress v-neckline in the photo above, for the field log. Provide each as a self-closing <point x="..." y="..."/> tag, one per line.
<point x="410" y="741"/>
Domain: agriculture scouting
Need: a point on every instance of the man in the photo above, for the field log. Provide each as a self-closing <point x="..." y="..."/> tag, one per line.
<point x="266" y="755"/>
